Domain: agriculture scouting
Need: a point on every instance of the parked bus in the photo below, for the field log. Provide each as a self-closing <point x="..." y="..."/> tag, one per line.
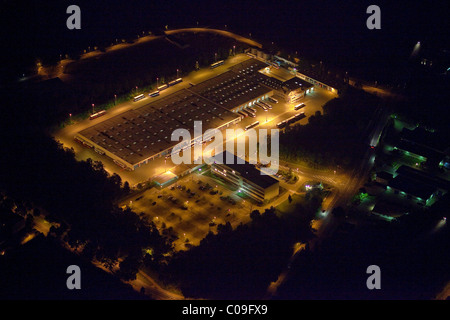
<point x="154" y="94"/>
<point x="299" y="106"/>
<point x="174" y="82"/>
<point x="296" y="117"/>
<point x="272" y="99"/>
<point x="78" y="140"/>
<point x="291" y="120"/>
<point x="216" y="64"/>
<point x="97" y="114"/>
<point x="251" y="109"/>
<point x="251" y="114"/>
<point x="139" y="97"/>
<point x="254" y="124"/>
<point x="163" y="87"/>
<point x="262" y="106"/>
<point x="120" y="164"/>
<point x="242" y="114"/>
<point x="300" y="116"/>
<point x="266" y="104"/>
<point x="99" y="151"/>
<point x="247" y="113"/>
<point x="281" y="124"/>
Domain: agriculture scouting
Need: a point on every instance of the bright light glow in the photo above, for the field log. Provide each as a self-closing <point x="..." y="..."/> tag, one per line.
<point x="439" y="225"/>
<point x="415" y="50"/>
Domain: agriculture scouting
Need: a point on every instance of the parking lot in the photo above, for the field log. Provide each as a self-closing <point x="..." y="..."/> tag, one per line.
<point x="192" y="206"/>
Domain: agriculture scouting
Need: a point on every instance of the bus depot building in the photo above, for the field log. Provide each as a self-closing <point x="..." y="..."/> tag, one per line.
<point x="137" y="136"/>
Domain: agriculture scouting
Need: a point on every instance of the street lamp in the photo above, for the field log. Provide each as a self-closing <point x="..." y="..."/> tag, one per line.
<point x="93" y="105"/>
<point x="115" y="99"/>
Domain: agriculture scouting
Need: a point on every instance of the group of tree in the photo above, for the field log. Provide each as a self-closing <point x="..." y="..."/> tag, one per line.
<point x="240" y="263"/>
<point x="408" y="252"/>
<point x="79" y="195"/>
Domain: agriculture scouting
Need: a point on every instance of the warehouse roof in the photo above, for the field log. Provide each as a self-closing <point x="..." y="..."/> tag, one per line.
<point x="231" y="89"/>
<point x="137" y="134"/>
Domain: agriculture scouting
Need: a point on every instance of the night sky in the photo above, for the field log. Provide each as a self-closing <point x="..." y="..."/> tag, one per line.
<point x="332" y="31"/>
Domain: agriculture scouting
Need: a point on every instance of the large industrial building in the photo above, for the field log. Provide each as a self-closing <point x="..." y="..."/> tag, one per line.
<point x="140" y="135"/>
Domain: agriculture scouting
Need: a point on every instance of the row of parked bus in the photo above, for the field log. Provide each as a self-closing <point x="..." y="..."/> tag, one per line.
<point x="159" y="89"/>
<point x="251" y="111"/>
<point x="290" y="120"/>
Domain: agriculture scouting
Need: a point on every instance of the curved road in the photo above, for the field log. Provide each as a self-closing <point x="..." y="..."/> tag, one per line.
<point x="218" y="31"/>
<point x="58" y="70"/>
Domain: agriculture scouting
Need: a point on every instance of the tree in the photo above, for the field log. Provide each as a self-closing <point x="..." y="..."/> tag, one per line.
<point x="129" y="267"/>
<point x="224" y="228"/>
<point x="126" y="188"/>
<point x="255" y="214"/>
<point x="338" y="212"/>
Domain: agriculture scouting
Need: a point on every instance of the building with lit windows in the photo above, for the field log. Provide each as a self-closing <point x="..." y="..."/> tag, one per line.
<point x="295" y="89"/>
<point x="246" y="178"/>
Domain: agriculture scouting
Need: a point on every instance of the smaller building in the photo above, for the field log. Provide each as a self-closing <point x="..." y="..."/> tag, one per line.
<point x="246" y="178"/>
<point x="165" y="179"/>
<point x="412" y="190"/>
<point x="389" y="209"/>
<point x="427" y="147"/>
<point x="418" y="186"/>
<point x="295" y="89"/>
